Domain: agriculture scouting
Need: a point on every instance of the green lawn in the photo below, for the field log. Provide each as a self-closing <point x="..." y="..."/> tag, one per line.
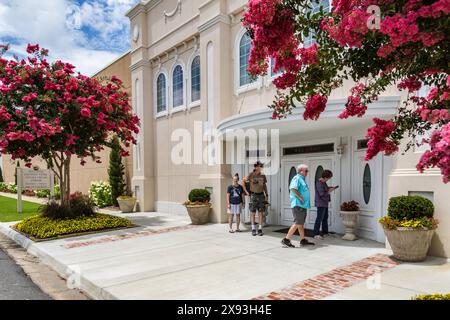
<point x="8" y="209"/>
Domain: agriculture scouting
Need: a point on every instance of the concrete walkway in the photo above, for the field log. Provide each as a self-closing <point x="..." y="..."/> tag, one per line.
<point x="167" y="258"/>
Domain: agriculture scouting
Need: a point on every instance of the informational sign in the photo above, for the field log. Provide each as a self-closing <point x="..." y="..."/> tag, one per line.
<point x="30" y="179"/>
<point x="35" y="179"/>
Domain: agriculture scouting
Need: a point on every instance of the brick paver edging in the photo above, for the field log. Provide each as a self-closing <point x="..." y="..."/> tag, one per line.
<point x="144" y="233"/>
<point x="332" y="282"/>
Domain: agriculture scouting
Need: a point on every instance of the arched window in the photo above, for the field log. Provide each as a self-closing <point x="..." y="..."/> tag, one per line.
<point x="315" y="8"/>
<point x="177" y="95"/>
<point x="161" y="93"/>
<point x="195" y="79"/>
<point x="272" y="65"/>
<point x="245" y="46"/>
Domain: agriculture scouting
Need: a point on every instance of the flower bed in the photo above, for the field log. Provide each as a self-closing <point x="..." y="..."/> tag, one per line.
<point x="40" y="227"/>
<point x="436" y="296"/>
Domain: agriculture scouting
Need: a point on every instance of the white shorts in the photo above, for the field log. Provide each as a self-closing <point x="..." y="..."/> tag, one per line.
<point x="235" y="209"/>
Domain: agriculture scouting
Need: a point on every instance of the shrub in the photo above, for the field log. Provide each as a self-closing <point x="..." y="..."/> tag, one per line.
<point x="100" y="193"/>
<point x="43" y="228"/>
<point x="350" y="206"/>
<point x="116" y="171"/>
<point x="436" y="296"/>
<point x="3" y="187"/>
<point x="79" y="205"/>
<point x="199" y="195"/>
<point x="11" y="188"/>
<point x="45" y="193"/>
<point x="410" y="208"/>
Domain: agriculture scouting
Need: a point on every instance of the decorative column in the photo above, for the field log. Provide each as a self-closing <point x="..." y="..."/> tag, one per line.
<point x="143" y="181"/>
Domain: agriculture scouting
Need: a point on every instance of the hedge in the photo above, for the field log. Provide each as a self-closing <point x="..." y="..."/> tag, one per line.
<point x="41" y="227"/>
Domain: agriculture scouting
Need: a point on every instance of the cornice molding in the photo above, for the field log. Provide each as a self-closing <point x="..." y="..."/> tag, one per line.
<point x="140" y="64"/>
<point x="213" y="21"/>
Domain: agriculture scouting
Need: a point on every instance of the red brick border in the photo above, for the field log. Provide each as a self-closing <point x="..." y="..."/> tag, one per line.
<point x="334" y="281"/>
<point x="138" y="234"/>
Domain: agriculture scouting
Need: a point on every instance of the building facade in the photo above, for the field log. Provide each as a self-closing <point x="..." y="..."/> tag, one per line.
<point x="82" y="176"/>
<point x="189" y="77"/>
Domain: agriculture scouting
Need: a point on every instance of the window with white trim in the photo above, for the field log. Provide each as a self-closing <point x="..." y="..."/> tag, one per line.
<point x="178" y="83"/>
<point x="315" y="8"/>
<point x="195" y="79"/>
<point x="245" y="45"/>
<point x="161" y="93"/>
<point x="272" y="66"/>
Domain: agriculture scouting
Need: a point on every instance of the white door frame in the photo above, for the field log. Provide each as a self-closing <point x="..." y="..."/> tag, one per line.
<point x="336" y="164"/>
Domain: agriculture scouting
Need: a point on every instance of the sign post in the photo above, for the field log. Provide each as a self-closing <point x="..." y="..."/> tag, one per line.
<point x="29" y="179"/>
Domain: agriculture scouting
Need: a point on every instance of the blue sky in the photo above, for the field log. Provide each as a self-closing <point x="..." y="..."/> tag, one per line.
<point x="87" y="33"/>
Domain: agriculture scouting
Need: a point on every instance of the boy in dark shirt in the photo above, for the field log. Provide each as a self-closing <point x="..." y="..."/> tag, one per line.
<point x="235" y="201"/>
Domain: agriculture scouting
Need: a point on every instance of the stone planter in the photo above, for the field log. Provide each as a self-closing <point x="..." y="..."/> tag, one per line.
<point x="199" y="213"/>
<point x="409" y="244"/>
<point x="126" y="204"/>
<point x="350" y="221"/>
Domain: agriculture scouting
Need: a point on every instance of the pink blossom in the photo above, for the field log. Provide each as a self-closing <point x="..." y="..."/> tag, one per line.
<point x="85" y="112"/>
<point x="309" y="55"/>
<point x="30" y="97"/>
<point x="32" y="48"/>
<point x="314" y="107"/>
<point x="378" y="136"/>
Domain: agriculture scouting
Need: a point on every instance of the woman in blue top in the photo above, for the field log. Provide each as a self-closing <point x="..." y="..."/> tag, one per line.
<point x="322" y="198"/>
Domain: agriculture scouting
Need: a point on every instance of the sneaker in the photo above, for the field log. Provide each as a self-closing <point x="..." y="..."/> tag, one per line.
<point x="287" y="243"/>
<point x="253" y="232"/>
<point x="318" y="237"/>
<point x="305" y="242"/>
<point x="260" y="233"/>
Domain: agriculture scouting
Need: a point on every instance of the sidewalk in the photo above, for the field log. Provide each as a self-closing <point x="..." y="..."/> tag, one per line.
<point x="167" y="258"/>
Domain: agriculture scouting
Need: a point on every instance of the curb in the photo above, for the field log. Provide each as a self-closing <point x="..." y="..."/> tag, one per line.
<point x="66" y="272"/>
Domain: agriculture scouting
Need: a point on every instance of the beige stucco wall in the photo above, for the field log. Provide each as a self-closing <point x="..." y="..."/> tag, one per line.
<point x="163" y="42"/>
<point x="81" y="176"/>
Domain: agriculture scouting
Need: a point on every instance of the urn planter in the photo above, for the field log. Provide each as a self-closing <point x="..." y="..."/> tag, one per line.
<point x="126" y="204"/>
<point x="350" y="221"/>
<point x="409" y="244"/>
<point x="199" y="213"/>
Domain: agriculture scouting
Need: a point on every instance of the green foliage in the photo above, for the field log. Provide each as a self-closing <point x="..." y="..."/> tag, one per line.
<point x="45" y="193"/>
<point x="436" y="296"/>
<point x="410" y="208"/>
<point x="116" y="171"/>
<point x="199" y="195"/>
<point x="79" y="205"/>
<point x="350" y="206"/>
<point x="8" y="187"/>
<point x="100" y="193"/>
<point x="44" y="228"/>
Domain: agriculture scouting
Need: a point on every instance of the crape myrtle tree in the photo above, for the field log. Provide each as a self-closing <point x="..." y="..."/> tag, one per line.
<point x="48" y="110"/>
<point x="376" y="44"/>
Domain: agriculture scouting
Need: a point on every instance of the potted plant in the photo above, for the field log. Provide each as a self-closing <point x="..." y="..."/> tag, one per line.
<point x="349" y="215"/>
<point x="198" y="206"/>
<point x="126" y="202"/>
<point x="409" y="227"/>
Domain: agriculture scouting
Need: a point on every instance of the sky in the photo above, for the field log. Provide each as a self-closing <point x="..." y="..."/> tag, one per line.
<point x="86" y="33"/>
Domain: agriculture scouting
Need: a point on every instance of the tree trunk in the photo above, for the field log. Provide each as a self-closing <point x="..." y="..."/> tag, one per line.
<point x="64" y="181"/>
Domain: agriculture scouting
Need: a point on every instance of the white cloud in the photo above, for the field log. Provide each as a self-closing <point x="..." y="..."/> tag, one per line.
<point x="87" y="35"/>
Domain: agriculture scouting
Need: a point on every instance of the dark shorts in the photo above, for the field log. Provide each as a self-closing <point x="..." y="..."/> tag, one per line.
<point x="299" y="215"/>
<point x="257" y="202"/>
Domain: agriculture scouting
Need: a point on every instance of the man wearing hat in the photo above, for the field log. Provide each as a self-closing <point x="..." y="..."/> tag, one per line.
<point x="258" y="196"/>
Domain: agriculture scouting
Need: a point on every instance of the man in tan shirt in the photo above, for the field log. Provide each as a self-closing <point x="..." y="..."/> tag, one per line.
<point x="258" y="196"/>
